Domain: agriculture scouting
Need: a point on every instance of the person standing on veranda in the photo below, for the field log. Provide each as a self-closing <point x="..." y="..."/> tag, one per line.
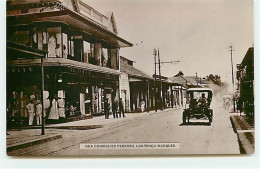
<point x="38" y="112"/>
<point x="30" y="108"/>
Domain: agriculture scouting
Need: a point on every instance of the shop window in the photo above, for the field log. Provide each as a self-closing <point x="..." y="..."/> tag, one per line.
<point x="54" y="42"/>
<point x="21" y="37"/>
<point x="87" y="101"/>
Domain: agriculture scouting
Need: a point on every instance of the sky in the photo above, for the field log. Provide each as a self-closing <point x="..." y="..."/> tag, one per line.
<point x="197" y="33"/>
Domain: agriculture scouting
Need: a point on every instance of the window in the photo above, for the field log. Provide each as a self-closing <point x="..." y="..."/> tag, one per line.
<point x="65" y="45"/>
<point x="106" y="57"/>
<point x="78" y="48"/>
<point x="54" y="42"/>
<point x="71" y="47"/>
<point x="87" y="52"/>
<point x="98" y="54"/>
<point x="39" y="38"/>
<point x="92" y="60"/>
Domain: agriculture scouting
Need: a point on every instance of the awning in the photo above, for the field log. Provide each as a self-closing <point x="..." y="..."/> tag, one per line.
<point x="66" y="63"/>
<point x="15" y="50"/>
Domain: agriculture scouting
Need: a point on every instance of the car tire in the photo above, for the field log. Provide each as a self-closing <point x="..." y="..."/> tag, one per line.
<point x="183" y="118"/>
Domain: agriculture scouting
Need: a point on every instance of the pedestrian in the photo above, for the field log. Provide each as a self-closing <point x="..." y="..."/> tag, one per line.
<point x="115" y="108"/>
<point x="54" y="114"/>
<point x="106" y="108"/>
<point x="142" y="105"/>
<point x="227" y="103"/>
<point x="121" y="108"/>
<point x="72" y="110"/>
<point x="30" y="108"/>
<point x="239" y="105"/>
<point x="38" y="112"/>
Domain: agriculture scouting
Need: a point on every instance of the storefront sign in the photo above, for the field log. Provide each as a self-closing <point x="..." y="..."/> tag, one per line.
<point x="20" y="70"/>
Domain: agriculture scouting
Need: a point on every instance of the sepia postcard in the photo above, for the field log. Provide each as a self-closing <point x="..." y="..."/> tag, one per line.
<point x="129" y="77"/>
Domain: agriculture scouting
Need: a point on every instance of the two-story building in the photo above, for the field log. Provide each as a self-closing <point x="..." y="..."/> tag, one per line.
<point x="245" y="82"/>
<point x="81" y="64"/>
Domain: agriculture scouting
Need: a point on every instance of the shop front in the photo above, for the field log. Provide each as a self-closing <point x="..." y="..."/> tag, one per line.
<point x="70" y="93"/>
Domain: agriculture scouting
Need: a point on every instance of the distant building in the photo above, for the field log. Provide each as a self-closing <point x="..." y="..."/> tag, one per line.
<point x="173" y="93"/>
<point x="135" y="86"/>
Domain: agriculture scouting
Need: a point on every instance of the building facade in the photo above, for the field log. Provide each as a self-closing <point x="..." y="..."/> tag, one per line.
<point x="81" y="64"/>
<point x="245" y="82"/>
<point x="136" y="87"/>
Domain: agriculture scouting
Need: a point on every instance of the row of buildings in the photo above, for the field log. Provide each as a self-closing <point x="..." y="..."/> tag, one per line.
<point x="65" y="51"/>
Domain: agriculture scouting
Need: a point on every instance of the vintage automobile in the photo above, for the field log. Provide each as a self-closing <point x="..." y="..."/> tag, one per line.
<point x="198" y="105"/>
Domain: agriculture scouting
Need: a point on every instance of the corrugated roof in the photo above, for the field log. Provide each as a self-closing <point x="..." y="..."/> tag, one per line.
<point x="130" y="70"/>
<point x="189" y="80"/>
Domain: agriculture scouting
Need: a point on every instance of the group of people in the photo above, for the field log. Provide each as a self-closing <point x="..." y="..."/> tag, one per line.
<point x="117" y="108"/>
<point x="35" y="110"/>
<point x="202" y="102"/>
<point x="53" y="110"/>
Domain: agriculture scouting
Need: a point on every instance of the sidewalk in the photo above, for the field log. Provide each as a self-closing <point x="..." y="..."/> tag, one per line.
<point x="245" y="132"/>
<point x="25" y="138"/>
<point x="22" y="138"/>
<point x="100" y="121"/>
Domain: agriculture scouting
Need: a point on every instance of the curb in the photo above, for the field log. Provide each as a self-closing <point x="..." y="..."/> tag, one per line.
<point x="32" y="142"/>
<point x="244" y="144"/>
<point x="76" y="127"/>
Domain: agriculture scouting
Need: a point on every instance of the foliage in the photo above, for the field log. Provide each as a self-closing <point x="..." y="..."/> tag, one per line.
<point x="216" y="79"/>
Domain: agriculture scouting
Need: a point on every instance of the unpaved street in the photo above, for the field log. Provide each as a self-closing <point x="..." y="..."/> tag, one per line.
<point x="163" y="127"/>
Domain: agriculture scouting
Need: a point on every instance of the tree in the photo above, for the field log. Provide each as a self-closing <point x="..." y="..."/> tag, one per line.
<point x="216" y="79"/>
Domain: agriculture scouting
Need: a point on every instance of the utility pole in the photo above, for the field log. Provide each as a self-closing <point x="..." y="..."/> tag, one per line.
<point x="160" y="80"/>
<point x="155" y="53"/>
<point x="160" y="76"/>
<point x="231" y="49"/>
<point x="197" y="79"/>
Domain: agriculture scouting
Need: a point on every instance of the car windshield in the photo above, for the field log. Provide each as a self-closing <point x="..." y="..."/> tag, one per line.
<point x="197" y="95"/>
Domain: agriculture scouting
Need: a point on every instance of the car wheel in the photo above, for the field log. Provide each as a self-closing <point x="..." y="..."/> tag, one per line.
<point x="210" y="120"/>
<point x="183" y="118"/>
